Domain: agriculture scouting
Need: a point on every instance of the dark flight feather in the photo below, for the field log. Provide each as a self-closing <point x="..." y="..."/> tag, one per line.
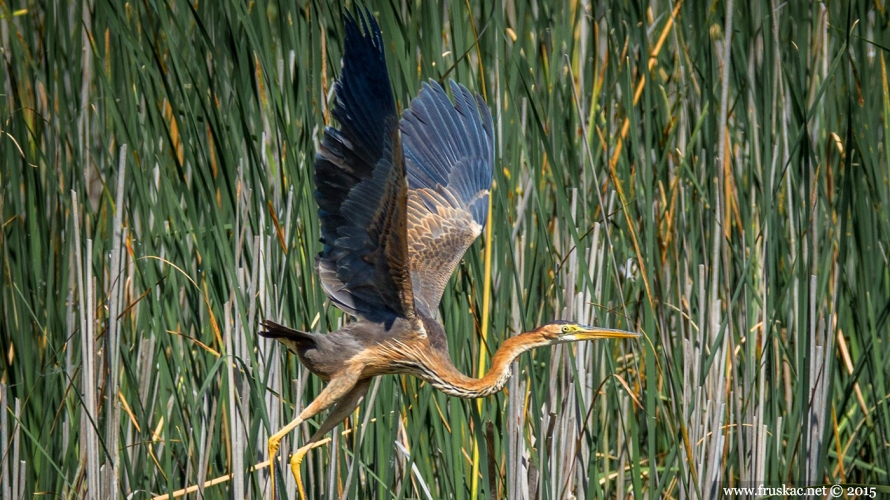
<point x="360" y="187"/>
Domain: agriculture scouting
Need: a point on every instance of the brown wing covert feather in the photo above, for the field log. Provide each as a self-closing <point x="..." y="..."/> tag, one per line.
<point x="449" y="152"/>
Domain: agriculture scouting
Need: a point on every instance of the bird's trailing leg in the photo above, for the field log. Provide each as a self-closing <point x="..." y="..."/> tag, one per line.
<point x="341" y="410"/>
<point x="338" y="387"/>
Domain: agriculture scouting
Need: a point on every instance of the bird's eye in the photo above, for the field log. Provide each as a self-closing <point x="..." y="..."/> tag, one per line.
<point x="565" y="329"/>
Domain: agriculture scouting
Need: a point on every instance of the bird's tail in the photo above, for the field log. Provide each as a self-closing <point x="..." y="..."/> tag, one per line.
<point x="286" y="335"/>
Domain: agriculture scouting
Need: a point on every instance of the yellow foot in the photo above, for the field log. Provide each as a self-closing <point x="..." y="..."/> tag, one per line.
<point x="273" y="449"/>
<point x="297" y="458"/>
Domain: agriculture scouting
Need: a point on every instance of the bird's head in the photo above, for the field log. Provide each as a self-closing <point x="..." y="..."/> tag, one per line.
<point x="560" y="332"/>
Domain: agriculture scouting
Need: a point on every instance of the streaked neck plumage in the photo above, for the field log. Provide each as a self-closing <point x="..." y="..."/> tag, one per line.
<point x="436" y="368"/>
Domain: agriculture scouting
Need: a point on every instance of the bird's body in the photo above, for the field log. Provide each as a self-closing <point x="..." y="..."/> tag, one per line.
<point x="361" y="345"/>
<point x="400" y="199"/>
<point x="370" y="351"/>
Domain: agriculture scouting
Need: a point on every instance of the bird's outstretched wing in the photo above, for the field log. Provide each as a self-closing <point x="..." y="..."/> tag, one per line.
<point x="361" y="188"/>
<point x="449" y="151"/>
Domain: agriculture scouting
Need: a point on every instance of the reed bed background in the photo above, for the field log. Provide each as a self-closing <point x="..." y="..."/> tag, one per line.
<point x="711" y="174"/>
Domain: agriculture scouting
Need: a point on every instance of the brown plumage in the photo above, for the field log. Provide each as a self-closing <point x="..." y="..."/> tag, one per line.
<point x="400" y="201"/>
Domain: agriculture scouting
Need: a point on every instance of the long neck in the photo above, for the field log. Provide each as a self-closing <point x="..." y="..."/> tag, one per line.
<point x="443" y="375"/>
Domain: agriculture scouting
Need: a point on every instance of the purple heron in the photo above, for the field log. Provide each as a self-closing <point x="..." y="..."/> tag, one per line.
<point x="399" y="201"/>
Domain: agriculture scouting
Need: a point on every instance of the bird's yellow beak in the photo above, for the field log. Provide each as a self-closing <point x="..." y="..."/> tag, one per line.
<point x="593" y="333"/>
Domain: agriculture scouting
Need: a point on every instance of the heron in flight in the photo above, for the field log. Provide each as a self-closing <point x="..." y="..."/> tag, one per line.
<point x="399" y="201"/>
